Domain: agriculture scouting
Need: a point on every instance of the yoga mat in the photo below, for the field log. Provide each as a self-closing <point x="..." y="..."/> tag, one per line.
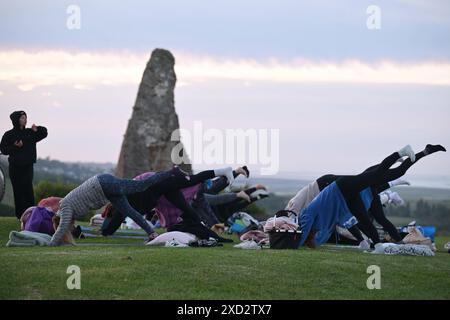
<point x="109" y="244"/>
<point x="90" y="235"/>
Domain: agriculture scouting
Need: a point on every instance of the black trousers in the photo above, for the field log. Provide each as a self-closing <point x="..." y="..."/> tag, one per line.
<point x="226" y="210"/>
<point x="376" y="210"/>
<point x="22" y="183"/>
<point x="351" y="186"/>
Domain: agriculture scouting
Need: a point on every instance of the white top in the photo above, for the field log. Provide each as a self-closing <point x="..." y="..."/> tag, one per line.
<point x="303" y="198"/>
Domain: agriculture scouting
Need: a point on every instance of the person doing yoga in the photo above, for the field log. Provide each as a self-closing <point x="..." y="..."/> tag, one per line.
<point x="308" y="193"/>
<point x="344" y="201"/>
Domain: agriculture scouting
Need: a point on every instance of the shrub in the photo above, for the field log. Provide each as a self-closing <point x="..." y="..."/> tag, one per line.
<point x="45" y="189"/>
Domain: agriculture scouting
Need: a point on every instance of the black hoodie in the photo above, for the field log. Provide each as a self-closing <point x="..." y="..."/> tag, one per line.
<point x="25" y="155"/>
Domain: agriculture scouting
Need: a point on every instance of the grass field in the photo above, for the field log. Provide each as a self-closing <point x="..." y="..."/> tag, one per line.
<point x="125" y="269"/>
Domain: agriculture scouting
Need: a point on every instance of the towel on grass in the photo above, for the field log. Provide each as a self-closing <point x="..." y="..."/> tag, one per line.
<point x="28" y="239"/>
<point x="404" y="249"/>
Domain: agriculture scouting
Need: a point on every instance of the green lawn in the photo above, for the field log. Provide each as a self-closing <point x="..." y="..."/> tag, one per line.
<point x="128" y="270"/>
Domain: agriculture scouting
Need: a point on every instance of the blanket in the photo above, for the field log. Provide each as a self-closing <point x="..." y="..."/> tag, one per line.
<point x="281" y="223"/>
<point x="183" y="238"/>
<point x="404" y="249"/>
<point x="28" y="239"/>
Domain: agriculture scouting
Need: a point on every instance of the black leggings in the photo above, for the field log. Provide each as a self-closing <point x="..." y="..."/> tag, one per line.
<point x="376" y="209"/>
<point x="145" y="201"/>
<point x="388" y="176"/>
<point x="180" y="180"/>
<point x="224" y="211"/>
<point x="171" y="189"/>
<point x="351" y="186"/>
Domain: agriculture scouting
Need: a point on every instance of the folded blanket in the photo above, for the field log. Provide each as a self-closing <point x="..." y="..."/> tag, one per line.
<point x="404" y="249"/>
<point x="28" y="239"/>
<point x="255" y="235"/>
<point x="281" y="223"/>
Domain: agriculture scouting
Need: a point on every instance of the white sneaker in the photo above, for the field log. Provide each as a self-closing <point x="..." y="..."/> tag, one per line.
<point x="395" y="199"/>
<point x="364" y="245"/>
<point x="248" y="245"/>
<point x="408" y="152"/>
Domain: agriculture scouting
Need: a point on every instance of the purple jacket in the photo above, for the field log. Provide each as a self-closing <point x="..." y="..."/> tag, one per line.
<point x="168" y="214"/>
<point x="40" y="220"/>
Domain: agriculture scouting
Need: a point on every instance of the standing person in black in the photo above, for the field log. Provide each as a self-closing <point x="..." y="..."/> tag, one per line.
<point x="20" y="144"/>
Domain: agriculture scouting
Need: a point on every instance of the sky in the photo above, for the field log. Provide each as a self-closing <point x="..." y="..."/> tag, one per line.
<point x="343" y="96"/>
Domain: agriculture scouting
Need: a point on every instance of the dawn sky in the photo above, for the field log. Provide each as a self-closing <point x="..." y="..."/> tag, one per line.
<point x="343" y="96"/>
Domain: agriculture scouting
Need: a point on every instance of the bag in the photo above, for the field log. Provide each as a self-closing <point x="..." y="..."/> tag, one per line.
<point x="284" y="239"/>
<point x="41" y="221"/>
<point x="242" y="222"/>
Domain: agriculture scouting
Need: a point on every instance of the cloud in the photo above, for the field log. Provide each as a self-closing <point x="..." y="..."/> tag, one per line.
<point x="85" y="70"/>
